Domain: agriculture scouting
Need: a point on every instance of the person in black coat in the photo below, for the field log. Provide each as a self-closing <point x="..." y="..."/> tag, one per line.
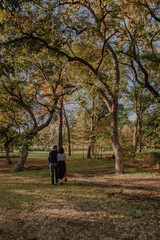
<point x="52" y="159"/>
<point x="61" y="159"/>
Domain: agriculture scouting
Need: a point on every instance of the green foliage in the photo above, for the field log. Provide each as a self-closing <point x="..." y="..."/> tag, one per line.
<point x="129" y="151"/>
<point x="149" y="157"/>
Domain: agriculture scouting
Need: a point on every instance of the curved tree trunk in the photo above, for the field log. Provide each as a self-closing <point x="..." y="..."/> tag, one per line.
<point x="22" y="158"/>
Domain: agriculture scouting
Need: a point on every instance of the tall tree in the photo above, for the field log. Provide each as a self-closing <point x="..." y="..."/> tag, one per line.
<point x="93" y="19"/>
<point x="35" y="91"/>
<point x="140" y="104"/>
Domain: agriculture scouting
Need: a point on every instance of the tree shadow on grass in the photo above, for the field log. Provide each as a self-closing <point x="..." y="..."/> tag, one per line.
<point x="54" y="228"/>
<point x="130" y="184"/>
<point x="87" y="211"/>
<point x="112" y="225"/>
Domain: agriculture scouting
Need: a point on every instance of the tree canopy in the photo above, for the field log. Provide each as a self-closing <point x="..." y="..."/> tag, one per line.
<point x="103" y="46"/>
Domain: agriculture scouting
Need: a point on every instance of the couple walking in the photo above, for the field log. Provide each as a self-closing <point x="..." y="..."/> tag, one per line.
<point x="57" y="164"/>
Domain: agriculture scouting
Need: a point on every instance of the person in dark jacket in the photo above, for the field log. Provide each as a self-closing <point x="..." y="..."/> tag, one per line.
<point x="61" y="159"/>
<point x="52" y="159"/>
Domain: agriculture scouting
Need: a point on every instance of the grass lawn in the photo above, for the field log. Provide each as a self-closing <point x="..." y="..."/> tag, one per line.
<point x="94" y="203"/>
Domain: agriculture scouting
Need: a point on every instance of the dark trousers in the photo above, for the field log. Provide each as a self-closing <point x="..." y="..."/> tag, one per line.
<point x="54" y="172"/>
<point x="62" y="169"/>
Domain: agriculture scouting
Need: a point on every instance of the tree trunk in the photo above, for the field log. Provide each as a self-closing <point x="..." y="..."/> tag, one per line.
<point x="135" y="135"/>
<point x="93" y="125"/>
<point x="93" y="149"/>
<point x="140" y="138"/>
<point x="7" y="149"/>
<point x="69" y="135"/>
<point x="83" y="151"/>
<point x="115" y="143"/>
<point x="89" y="150"/>
<point x="112" y="107"/>
<point x="91" y="141"/>
<point x="140" y="128"/>
<point x="60" y="139"/>
<point x="22" y="158"/>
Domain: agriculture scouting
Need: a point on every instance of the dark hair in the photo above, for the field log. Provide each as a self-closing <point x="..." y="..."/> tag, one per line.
<point x="61" y="150"/>
<point x="54" y="147"/>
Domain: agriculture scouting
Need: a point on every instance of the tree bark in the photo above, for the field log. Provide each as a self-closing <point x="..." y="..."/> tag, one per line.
<point x="7" y="150"/>
<point x="89" y="151"/>
<point x="60" y="139"/>
<point x="140" y="125"/>
<point x="93" y="125"/>
<point x="115" y="143"/>
<point x="69" y="135"/>
<point x="91" y="141"/>
<point x="140" y="136"/>
<point x="22" y="159"/>
<point x="135" y="135"/>
<point x="112" y="105"/>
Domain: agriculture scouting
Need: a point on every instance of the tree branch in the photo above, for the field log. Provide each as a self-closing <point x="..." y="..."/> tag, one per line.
<point x="20" y="102"/>
<point x="150" y="11"/>
<point x="103" y="48"/>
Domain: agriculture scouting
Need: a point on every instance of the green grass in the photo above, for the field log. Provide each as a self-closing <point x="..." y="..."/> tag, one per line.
<point x="94" y="204"/>
<point x="38" y="154"/>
